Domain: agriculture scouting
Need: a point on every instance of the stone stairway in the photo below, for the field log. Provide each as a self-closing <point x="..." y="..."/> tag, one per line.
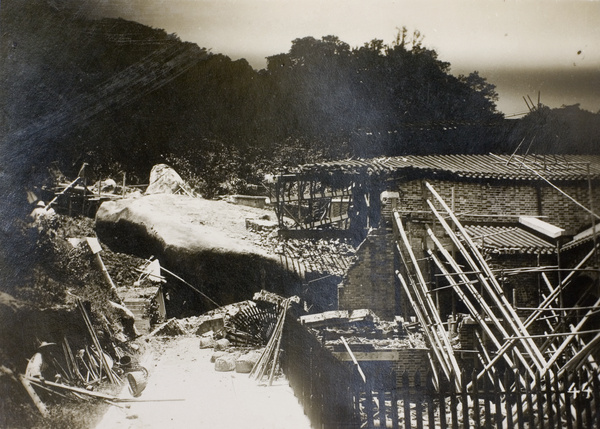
<point x="137" y="307"/>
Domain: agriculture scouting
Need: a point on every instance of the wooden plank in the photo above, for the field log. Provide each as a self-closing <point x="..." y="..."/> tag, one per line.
<point x="465" y="400"/>
<point x="394" y="408"/>
<point x="541" y="226"/>
<point x="418" y="400"/>
<point x="406" y="400"/>
<point x="430" y="404"/>
<point x="475" y="400"/>
<point x="382" y="409"/>
<point x="508" y="400"/>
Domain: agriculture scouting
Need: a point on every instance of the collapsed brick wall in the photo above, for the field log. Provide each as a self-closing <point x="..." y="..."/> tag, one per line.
<point x="370" y="282"/>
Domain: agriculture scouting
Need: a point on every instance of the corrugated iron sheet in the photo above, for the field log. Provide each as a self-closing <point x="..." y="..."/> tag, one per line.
<point x="491" y="166"/>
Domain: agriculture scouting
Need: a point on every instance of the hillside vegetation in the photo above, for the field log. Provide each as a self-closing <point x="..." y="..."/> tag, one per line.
<point x="122" y="97"/>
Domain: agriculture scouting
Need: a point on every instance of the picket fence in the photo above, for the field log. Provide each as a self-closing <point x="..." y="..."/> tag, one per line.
<point x="335" y="397"/>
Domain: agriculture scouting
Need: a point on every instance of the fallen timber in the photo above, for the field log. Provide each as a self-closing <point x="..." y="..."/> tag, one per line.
<point x="98" y="395"/>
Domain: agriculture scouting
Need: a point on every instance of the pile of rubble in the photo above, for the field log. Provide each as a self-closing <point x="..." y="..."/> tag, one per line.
<point x="363" y="331"/>
<point x="244" y="335"/>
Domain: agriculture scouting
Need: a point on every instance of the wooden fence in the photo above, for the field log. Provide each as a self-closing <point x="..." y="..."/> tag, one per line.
<point x="335" y="397"/>
<point x="324" y="386"/>
<point x="510" y="401"/>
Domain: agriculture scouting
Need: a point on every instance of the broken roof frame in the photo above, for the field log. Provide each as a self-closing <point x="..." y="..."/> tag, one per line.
<point x="305" y="193"/>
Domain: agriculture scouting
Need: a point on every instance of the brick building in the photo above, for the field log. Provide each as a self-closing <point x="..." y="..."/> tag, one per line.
<point x="478" y="248"/>
<point x="493" y="195"/>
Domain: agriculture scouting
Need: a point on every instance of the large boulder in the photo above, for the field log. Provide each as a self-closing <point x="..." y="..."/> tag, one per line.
<point x="178" y="224"/>
<point x="203" y="241"/>
<point x="165" y="180"/>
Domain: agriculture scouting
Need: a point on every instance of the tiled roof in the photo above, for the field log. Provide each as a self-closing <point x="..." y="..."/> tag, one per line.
<point x="583" y="237"/>
<point x="508" y="239"/>
<point x="491" y="166"/>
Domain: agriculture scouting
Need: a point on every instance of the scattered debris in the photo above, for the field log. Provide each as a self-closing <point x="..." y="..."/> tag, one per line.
<point x="170" y="328"/>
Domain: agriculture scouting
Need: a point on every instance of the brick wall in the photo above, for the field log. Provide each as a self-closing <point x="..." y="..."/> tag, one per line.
<point x="496" y="198"/>
<point x="566" y="213"/>
<point x="370" y="282"/>
<point x="411" y="360"/>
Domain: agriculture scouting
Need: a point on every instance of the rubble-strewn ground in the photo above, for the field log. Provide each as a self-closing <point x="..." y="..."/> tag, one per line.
<point x="62" y="270"/>
<point x="179" y="369"/>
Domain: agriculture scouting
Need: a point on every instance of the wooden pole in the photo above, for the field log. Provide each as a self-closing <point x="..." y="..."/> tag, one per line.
<point x="483" y="282"/>
<point x="429" y="304"/>
<point x="474" y="312"/>
<point x="34" y="396"/>
<point x="360" y="371"/>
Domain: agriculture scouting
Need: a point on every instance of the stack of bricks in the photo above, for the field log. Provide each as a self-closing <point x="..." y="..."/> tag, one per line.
<point x="370" y="282"/>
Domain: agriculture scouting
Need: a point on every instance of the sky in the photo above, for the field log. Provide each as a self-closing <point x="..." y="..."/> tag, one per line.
<point x="545" y="48"/>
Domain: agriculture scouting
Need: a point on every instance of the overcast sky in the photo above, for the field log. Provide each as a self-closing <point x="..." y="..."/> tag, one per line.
<point x="521" y="46"/>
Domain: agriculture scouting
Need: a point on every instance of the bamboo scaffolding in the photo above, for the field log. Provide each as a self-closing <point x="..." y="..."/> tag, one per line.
<point x="554" y="295"/>
<point x="488" y="310"/>
<point x="474" y="313"/>
<point x="488" y="281"/>
<point x="424" y="297"/>
<point x="424" y="324"/>
<point x="427" y="324"/>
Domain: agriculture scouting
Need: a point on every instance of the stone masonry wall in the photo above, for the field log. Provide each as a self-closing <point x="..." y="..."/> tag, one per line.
<point x="370" y="282"/>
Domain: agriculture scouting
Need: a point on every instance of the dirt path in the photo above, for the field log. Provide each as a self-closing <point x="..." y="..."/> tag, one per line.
<point x="211" y="399"/>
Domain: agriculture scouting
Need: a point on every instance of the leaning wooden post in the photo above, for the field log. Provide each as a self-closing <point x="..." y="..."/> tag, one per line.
<point x="504" y="306"/>
<point x="34" y="396"/>
<point x="96" y="249"/>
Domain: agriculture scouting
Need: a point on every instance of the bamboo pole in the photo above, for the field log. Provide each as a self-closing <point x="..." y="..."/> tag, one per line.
<point x="98" y="394"/>
<point x="34" y="396"/>
<point x="103" y="362"/>
<point x="548" y="300"/>
<point x="424" y="324"/>
<point x="488" y="311"/>
<point x="286" y="304"/>
<point x="429" y="304"/>
<point x="492" y="285"/>
<point x="360" y="371"/>
<point x="569" y="338"/>
<point x="480" y="276"/>
<point x="470" y="306"/>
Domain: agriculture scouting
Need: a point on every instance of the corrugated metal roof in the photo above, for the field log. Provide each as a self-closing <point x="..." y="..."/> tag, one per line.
<point x="508" y="239"/>
<point x="491" y="166"/>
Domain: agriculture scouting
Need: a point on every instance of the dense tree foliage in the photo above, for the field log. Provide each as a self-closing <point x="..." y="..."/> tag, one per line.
<point x="122" y="96"/>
